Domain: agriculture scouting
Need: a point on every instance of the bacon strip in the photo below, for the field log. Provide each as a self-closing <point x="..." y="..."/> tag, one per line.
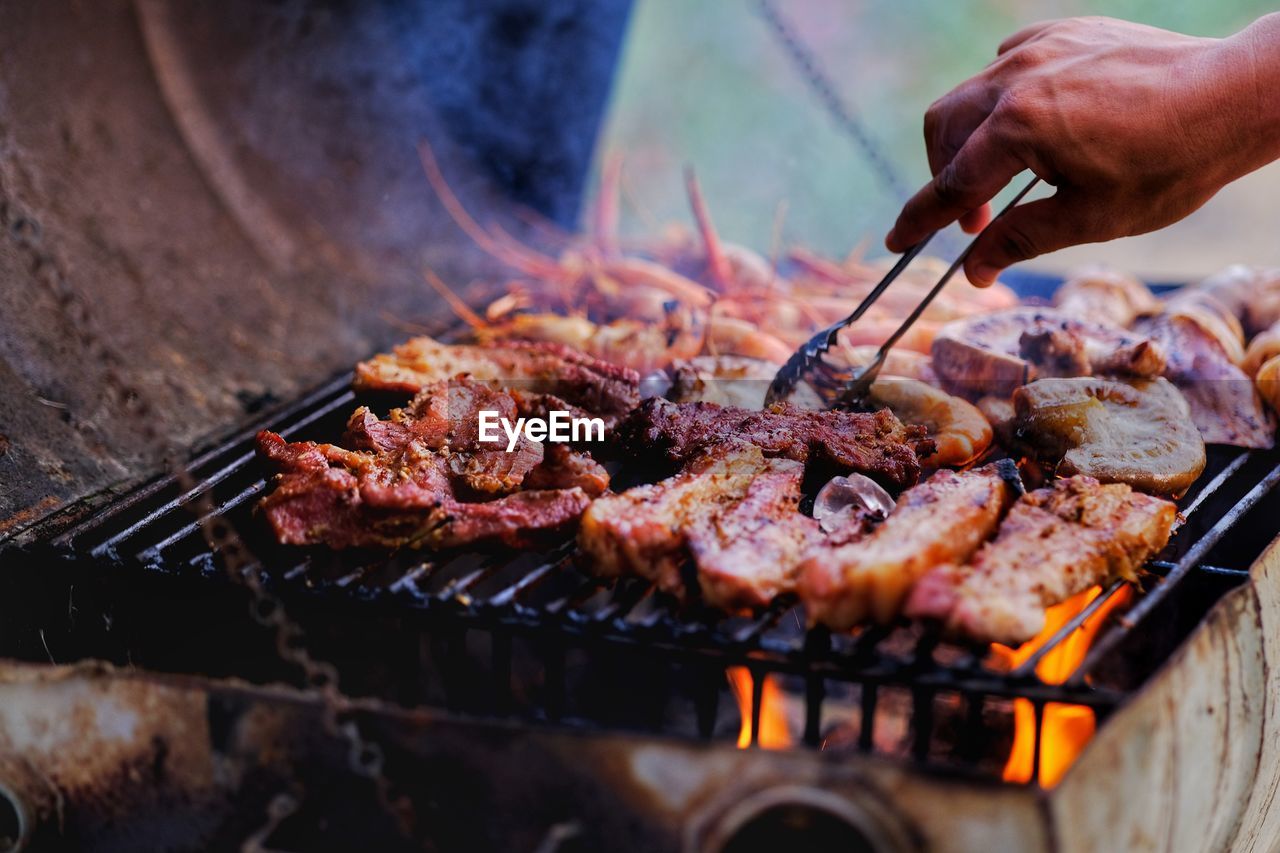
<point x="940" y="521"/>
<point x="1056" y="542"/>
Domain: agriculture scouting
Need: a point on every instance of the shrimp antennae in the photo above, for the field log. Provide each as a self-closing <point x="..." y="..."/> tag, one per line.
<point x="717" y="263"/>
<point x="519" y="260"/>
<point x="605" y="220"/>
<point x="459" y="307"/>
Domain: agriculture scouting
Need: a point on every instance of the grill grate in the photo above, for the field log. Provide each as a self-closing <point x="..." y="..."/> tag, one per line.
<point x="545" y="599"/>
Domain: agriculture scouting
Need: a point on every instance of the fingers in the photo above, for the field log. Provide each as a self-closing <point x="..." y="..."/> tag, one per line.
<point x="952" y="119"/>
<point x="982" y="167"/>
<point x="1025" y="232"/>
<point x="975" y="220"/>
<point x="1023" y="35"/>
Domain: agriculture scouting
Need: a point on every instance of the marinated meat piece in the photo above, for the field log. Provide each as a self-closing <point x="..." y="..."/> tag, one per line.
<point x="393" y="501"/>
<point x="942" y="520"/>
<point x="1195" y="306"/>
<point x="603" y="389"/>
<point x="565" y="468"/>
<point x="877" y="445"/>
<point x="1055" y="542"/>
<point x="1224" y="402"/>
<point x="521" y="520"/>
<point x="1138" y="432"/>
<point x="996" y="353"/>
<point x="642" y="530"/>
<point x="447" y="415"/>
<point x="422" y="478"/>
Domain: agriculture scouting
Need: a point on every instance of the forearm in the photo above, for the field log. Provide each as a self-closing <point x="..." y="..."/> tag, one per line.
<point x="1259" y="47"/>
<point x="1239" y="100"/>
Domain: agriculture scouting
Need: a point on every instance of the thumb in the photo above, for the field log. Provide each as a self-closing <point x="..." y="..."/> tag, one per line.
<point x="1026" y="231"/>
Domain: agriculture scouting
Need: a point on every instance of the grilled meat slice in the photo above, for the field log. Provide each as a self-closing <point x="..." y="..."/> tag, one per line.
<point x="942" y="520"/>
<point x="445" y="417"/>
<point x="423" y="478"/>
<point x="1097" y="291"/>
<point x="603" y="389"/>
<point x="642" y="530"/>
<point x="520" y="520"/>
<point x="746" y="554"/>
<point x="563" y="467"/>
<point x="732" y="517"/>
<point x="1225" y="405"/>
<point x="996" y="353"/>
<point x="1055" y="542"/>
<point x="877" y="445"/>
<point x="345" y="499"/>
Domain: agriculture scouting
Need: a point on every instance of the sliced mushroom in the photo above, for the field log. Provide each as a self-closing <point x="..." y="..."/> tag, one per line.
<point x="1138" y="432"/>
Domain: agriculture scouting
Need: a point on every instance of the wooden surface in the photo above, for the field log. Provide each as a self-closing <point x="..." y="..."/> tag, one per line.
<point x="1193" y="762"/>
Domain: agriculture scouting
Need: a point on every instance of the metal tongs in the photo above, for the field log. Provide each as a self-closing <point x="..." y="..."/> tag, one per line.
<point x="838" y="386"/>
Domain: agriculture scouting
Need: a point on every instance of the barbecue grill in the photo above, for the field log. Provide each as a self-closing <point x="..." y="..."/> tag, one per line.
<point x="174" y="679"/>
<point x="532" y="640"/>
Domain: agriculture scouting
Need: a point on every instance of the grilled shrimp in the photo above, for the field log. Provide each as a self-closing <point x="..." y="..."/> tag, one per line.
<point x="869" y="331"/>
<point x="732" y="336"/>
<point x="1262" y="362"/>
<point x="641" y="346"/>
<point x="1268" y="382"/>
<point x="1262" y="349"/>
<point x="905" y="363"/>
<point x="959" y="431"/>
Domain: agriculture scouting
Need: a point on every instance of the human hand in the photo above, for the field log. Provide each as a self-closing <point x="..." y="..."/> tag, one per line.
<point x="1135" y="126"/>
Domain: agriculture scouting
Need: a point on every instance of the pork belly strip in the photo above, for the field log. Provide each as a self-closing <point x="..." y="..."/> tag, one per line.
<point x="942" y="520"/>
<point x="597" y="387"/>
<point x="642" y="531"/>
<point x="1055" y="542"/>
<point x="746" y="553"/>
<point x="422" y="478"/>
<point x="877" y="445"/>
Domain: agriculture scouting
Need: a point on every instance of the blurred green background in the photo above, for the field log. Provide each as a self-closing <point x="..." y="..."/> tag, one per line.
<point x="708" y="83"/>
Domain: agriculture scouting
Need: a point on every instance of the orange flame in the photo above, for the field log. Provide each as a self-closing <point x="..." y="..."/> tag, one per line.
<point x="773" y="733"/>
<point x="1066" y="728"/>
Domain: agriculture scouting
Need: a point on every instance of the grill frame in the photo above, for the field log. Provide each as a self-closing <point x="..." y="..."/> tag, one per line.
<point x="479" y="591"/>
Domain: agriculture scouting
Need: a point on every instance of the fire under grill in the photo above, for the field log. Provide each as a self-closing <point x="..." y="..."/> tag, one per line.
<point x="534" y="637"/>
